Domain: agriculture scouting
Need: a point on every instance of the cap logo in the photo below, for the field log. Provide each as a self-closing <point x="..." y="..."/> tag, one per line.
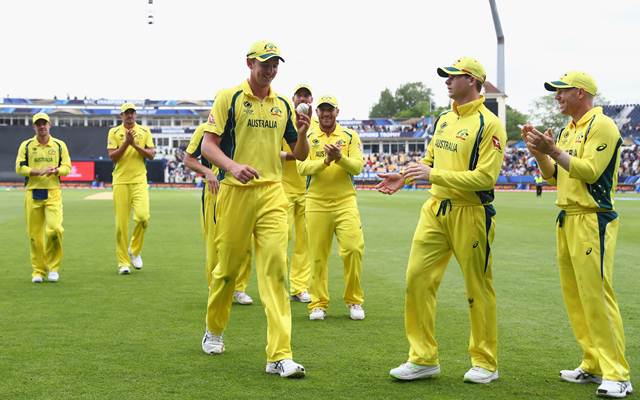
<point x="270" y="48"/>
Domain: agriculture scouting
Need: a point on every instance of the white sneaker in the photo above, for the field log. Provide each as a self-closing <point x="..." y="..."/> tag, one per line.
<point x="356" y="312"/>
<point x="124" y="270"/>
<point x="212" y="344"/>
<point x="480" y="375"/>
<point x="37" y="279"/>
<point x="242" y="298"/>
<point x="317" y="314"/>
<point x="410" y="371"/>
<point x="286" y="368"/>
<point x="136" y="261"/>
<point x="302" y="297"/>
<point x="614" y="388"/>
<point x="579" y="375"/>
<point x="53" y="276"/>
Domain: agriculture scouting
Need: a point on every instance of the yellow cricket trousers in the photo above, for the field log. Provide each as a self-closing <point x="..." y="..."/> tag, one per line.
<point x="128" y="197"/>
<point x="467" y="232"/>
<point x="44" y="227"/>
<point x="345" y="225"/>
<point x="586" y="249"/>
<point x="209" y="231"/>
<point x="260" y="210"/>
<point x="300" y="272"/>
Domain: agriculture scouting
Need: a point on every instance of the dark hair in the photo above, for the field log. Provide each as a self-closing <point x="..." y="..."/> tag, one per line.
<point x="478" y="84"/>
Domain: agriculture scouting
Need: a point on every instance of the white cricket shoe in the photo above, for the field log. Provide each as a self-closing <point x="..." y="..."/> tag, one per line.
<point x="302" y="297"/>
<point x="317" y="314"/>
<point x="242" y="298"/>
<point x="286" y="368"/>
<point x="53" y="276"/>
<point x="614" y="388"/>
<point x="356" y="312"/>
<point x="124" y="270"/>
<point x="212" y="344"/>
<point x="37" y="279"/>
<point x="136" y="261"/>
<point x="410" y="371"/>
<point x="480" y="375"/>
<point x="579" y="375"/>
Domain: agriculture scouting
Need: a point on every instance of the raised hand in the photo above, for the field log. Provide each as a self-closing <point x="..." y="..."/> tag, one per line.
<point x="391" y="183"/>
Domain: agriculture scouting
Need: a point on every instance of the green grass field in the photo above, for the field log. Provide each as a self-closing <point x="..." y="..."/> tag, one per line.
<point x="98" y="335"/>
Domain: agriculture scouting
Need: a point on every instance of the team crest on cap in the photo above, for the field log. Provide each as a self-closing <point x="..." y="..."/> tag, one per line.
<point x="270" y="48"/>
<point x="276" y="111"/>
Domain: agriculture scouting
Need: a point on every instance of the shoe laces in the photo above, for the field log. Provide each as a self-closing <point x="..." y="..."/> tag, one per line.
<point x="355" y="306"/>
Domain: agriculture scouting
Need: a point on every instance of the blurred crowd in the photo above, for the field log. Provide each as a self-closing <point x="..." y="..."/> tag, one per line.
<point x="517" y="162"/>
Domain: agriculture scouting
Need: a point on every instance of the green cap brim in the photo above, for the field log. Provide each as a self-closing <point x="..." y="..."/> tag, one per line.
<point x="445" y="72"/>
<point x="267" y="56"/>
<point x="555" y="85"/>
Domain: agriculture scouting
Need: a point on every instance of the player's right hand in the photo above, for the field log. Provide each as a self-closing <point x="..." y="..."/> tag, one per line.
<point x="244" y="173"/>
<point x="390" y="184"/>
<point x="213" y="182"/>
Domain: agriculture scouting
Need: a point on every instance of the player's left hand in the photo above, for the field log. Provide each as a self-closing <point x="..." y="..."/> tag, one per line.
<point x="51" y="171"/>
<point x="418" y="172"/>
<point x="333" y="151"/>
<point x="302" y="123"/>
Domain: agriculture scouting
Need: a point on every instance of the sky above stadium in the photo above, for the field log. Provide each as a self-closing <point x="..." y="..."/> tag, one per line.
<point x="352" y="49"/>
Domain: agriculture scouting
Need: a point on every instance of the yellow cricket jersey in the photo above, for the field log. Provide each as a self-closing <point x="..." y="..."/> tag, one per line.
<point x="594" y="145"/>
<point x="330" y="188"/>
<point x="466" y="154"/>
<point x="252" y="131"/>
<point x="131" y="167"/>
<point x="195" y="148"/>
<point x="292" y="181"/>
<point x="32" y="154"/>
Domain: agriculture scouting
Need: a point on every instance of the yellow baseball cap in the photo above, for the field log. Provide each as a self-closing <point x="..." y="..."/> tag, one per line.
<point x="574" y="79"/>
<point x="127" y="106"/>
<point x="264" y="50"/>
<point x="40" y="115"/>
<point x="464" y="66"/>
<point x="328" y="99"/>
<point x="302" y="86"/>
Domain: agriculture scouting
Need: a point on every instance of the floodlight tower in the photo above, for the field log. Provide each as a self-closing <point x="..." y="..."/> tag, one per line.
<point x="500" y="39"/>
<point x="501" y="97"/>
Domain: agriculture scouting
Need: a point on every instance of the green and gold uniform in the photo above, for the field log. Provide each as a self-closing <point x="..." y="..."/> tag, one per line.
<point x="43" y="201"/>
<point x="586" y="232"/>
<point x="294" y="188"/>
<point x="207" y="221"/>
<point x="251" y="133"/>
<point x="466" y="154"/>
<point x="332" y="208"/>
<point x="130" y="191"/>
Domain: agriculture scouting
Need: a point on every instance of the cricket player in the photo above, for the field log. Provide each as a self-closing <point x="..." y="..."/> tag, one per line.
<point x="129" y="145"/>
<point x="462" y="163"/>
<point x="332" y="209"/>
<point x="244" y="138"/>
<point x="295" y="188"/>
<point x="42" y="160"/>
<point x="193" y="160"/>
<point x="582" y="161"/>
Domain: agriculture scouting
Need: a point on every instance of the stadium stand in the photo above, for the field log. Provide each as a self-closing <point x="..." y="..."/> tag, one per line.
<point x="388" y="144"/>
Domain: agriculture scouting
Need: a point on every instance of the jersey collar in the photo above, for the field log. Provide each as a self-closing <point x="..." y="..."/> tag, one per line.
<point x="468" y="108"/>
<point x="586" y="117"/>
<point x="247" y="90"/>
